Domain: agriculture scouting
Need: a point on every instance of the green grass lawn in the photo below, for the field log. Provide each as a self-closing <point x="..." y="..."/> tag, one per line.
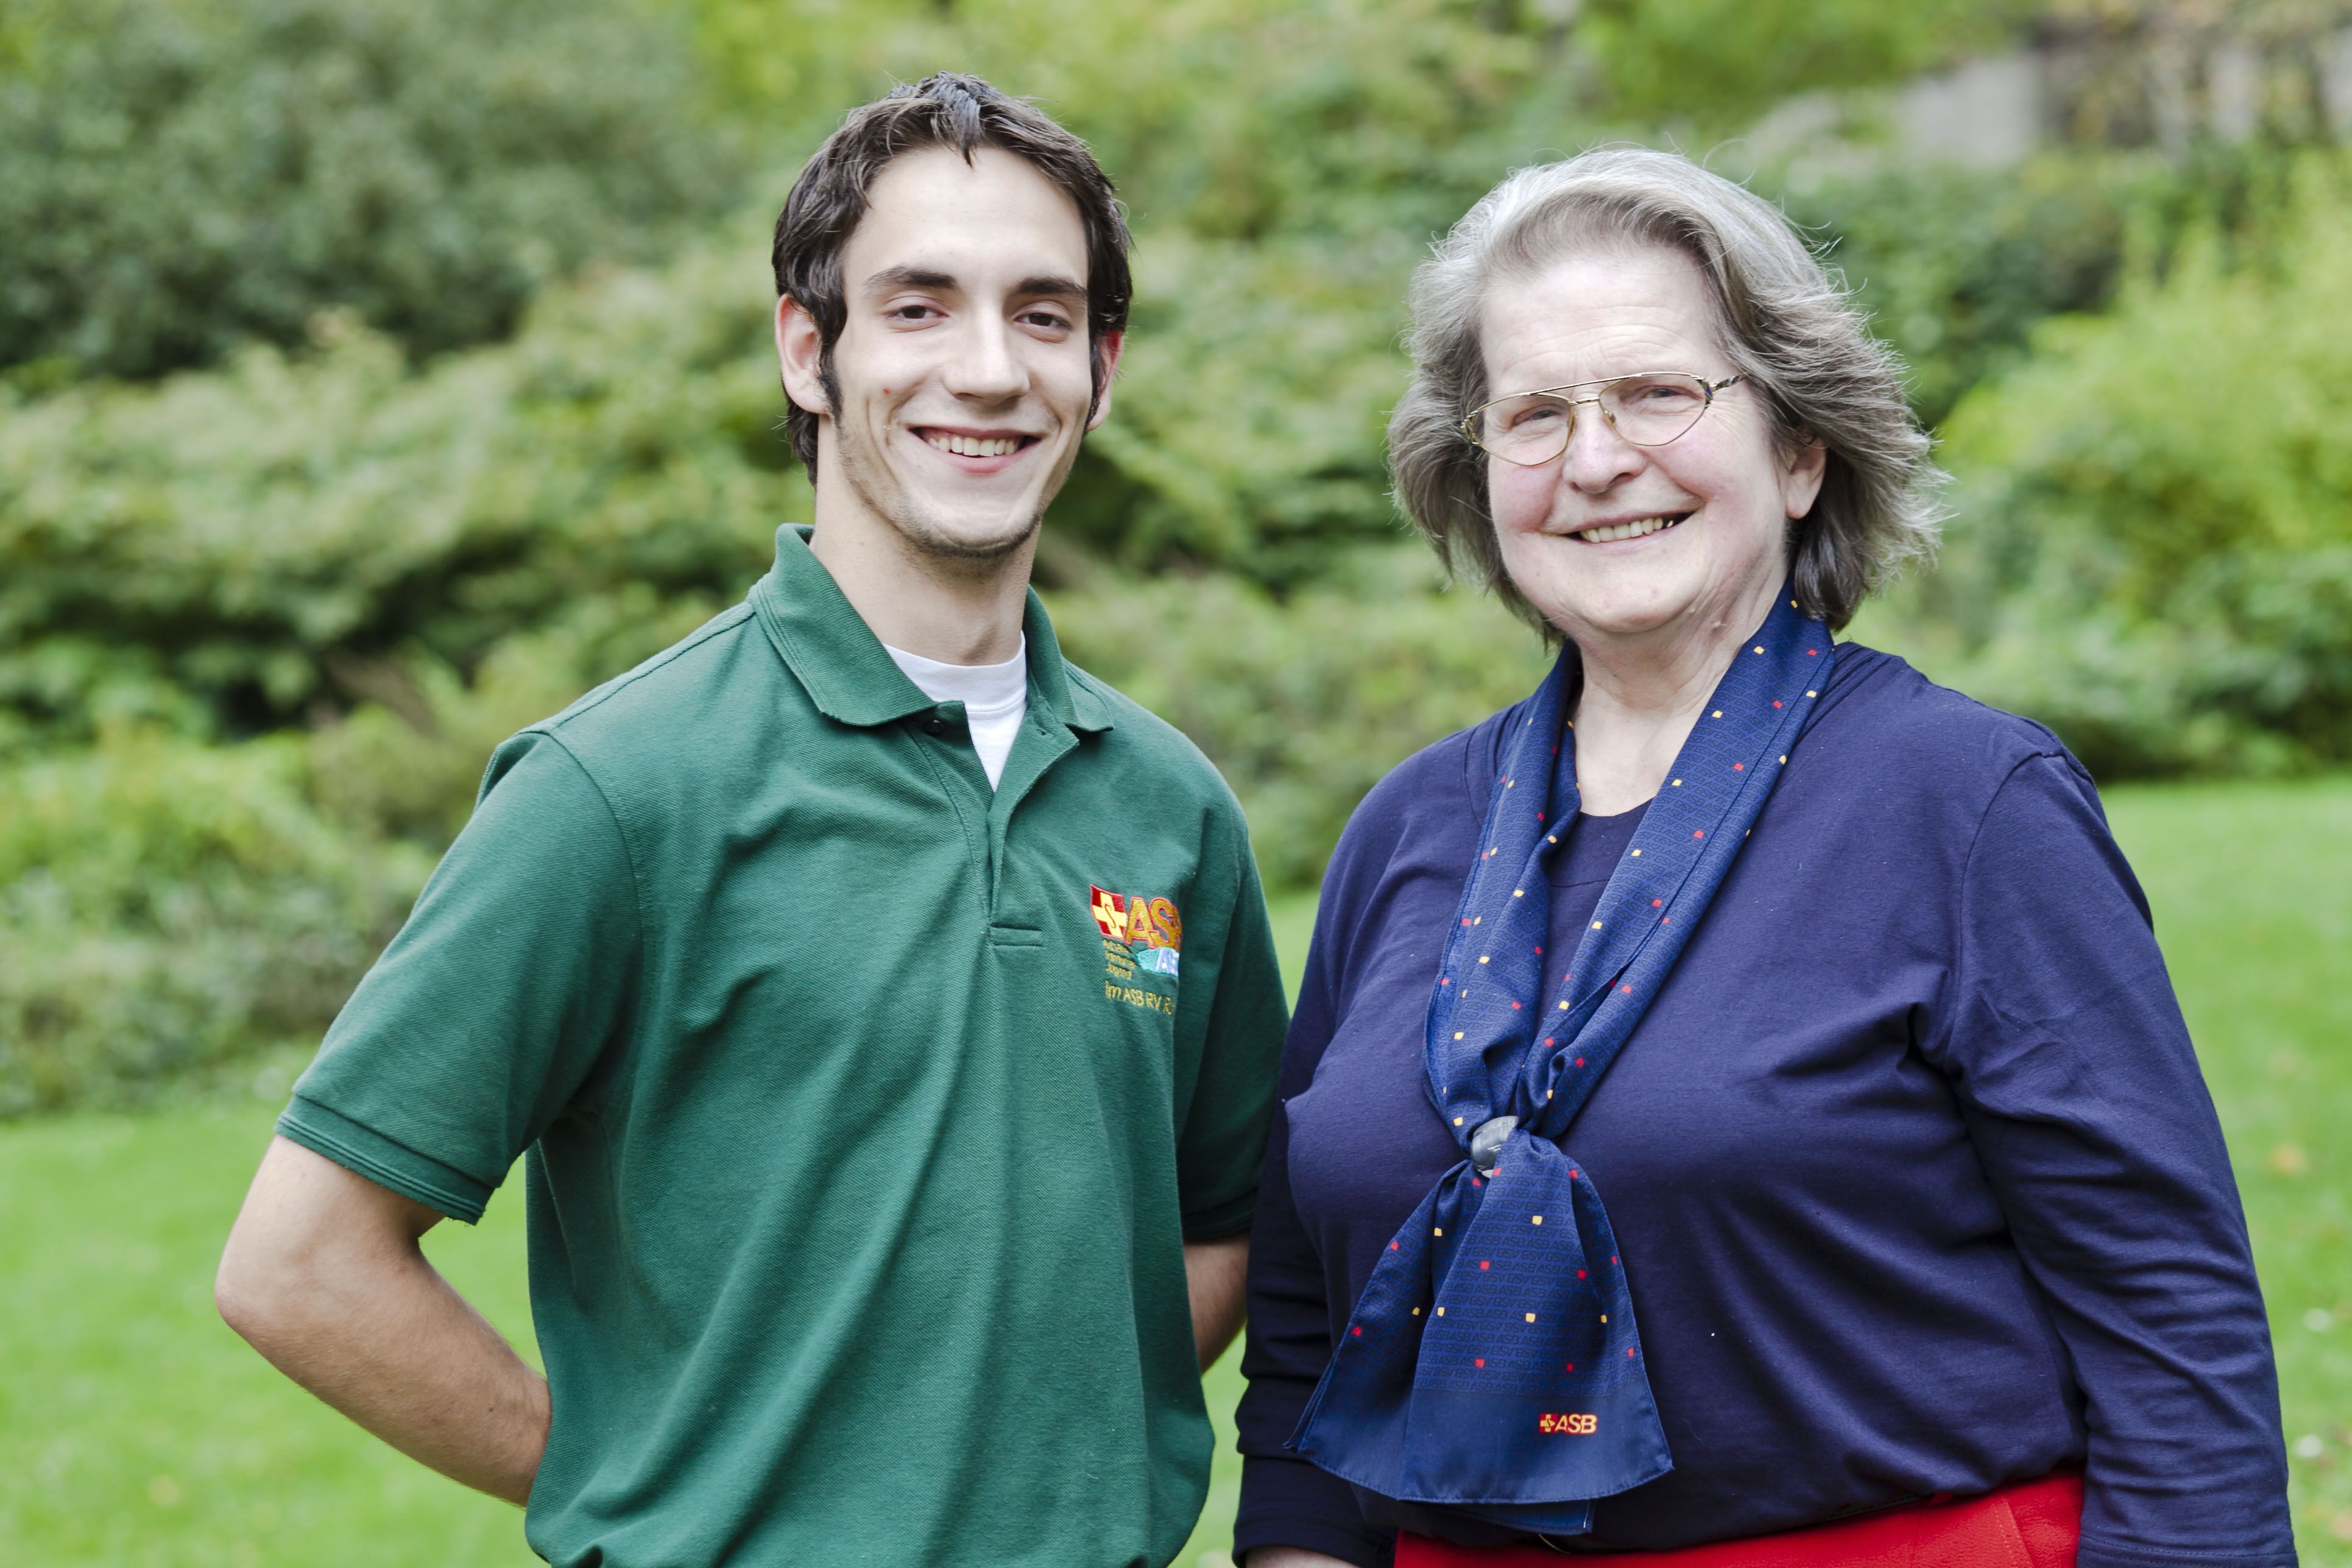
<point x="136" y="1430"/>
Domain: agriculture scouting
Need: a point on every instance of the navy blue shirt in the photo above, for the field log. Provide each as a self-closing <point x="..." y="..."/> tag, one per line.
<point x="1917" y="1183"/>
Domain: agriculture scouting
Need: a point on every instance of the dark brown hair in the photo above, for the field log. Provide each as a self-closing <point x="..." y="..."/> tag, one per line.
<point x="944" y="110"/>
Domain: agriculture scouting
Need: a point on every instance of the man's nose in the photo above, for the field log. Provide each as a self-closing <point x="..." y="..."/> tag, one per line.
<point x="986" y="365"/>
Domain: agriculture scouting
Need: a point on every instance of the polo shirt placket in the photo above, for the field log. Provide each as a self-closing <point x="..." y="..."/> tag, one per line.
<point x="851" y="680"/>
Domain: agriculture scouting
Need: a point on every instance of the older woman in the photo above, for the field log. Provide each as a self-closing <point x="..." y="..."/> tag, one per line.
<point x="1735" y="1111"/>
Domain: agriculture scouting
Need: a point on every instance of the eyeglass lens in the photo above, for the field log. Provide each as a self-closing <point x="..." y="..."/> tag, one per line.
<point x="1646" y="410"/>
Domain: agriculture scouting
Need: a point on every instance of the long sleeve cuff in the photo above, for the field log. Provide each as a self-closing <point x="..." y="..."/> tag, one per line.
<point x="2098" y="1553"/>
<point x="1290" y="1503"/>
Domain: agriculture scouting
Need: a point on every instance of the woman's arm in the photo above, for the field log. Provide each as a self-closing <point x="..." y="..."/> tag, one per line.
<point x="2082" y="1097"/>
<point x="1287" y="1504"/>
<point x="1293" y="1514"/>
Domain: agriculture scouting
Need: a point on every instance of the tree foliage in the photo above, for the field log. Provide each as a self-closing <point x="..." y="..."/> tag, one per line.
<point x="166" y="907"/>
<point x="1958" y="267"/>
<point x="1713" y="66"/>
<point x="2153" y="550"/>
<point x="439" y="471"/>
<point x="183" y="178"/>
<point x="234" y="551"/>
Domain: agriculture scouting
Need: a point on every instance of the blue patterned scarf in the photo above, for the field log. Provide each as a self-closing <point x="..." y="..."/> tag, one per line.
<point x="1492" y="1364"/>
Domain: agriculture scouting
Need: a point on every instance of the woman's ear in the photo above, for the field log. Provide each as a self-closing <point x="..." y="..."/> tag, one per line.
<point x="1804" y="462"/>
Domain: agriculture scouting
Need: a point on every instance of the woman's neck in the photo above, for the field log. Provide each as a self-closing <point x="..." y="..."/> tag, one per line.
<point x="1640" y="698"/>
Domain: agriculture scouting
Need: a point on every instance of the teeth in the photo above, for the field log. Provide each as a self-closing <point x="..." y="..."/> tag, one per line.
<point x="975" y="446"/>
<point x="1634" y="530"/>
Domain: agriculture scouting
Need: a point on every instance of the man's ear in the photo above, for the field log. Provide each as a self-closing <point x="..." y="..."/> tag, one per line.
<point x="1107" y="351"/>
<point x="800" y="355"/>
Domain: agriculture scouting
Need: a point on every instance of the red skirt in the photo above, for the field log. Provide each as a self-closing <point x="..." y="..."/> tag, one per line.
<point x="2033" y="1525"/>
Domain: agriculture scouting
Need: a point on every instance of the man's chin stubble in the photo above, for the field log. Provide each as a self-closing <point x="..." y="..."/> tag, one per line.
<point x="924" y="537"/>
<point x="941" y="545"/>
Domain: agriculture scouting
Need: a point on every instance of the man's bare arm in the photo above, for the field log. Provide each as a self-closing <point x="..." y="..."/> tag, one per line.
<point x="323" y="1276"/>
<point x="1217" y="1274"/>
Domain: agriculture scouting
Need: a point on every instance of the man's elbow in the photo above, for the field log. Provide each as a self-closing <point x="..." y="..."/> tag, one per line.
<point x="299" y="1229"/>
<point x="256" y="1288"/>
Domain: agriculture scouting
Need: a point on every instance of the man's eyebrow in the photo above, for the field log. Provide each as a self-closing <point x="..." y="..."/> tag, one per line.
<point x="1045" y="285"/>
<point x="1052" y="287"/>
<point x="909" y="278"/>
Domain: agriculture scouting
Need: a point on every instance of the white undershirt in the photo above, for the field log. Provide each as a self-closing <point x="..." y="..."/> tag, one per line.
<point x="994" y="698"/>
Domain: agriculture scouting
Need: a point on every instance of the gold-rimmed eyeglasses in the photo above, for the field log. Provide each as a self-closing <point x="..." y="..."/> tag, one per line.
<point x="1531" y="429"/>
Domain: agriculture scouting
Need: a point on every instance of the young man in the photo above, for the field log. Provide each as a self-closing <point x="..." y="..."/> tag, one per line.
<point x="884" y="1009"/>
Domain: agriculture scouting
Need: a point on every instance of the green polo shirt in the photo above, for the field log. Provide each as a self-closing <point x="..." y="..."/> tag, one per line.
<point x="864" y="1109"/>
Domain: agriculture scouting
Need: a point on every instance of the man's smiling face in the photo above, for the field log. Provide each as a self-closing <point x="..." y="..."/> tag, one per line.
<point x="963" y="373"/>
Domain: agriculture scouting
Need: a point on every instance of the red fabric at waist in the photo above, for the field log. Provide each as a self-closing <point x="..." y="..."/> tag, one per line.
<point x="2036" y="1524"/>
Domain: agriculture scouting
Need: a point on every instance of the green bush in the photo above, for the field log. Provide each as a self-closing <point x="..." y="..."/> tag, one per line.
<point x="1957" y="266"/>
<point x="170" y="908"/>
<point x="1246" y="118"/>
<point x="235" y="550"/>
<point x="1220" y="119"/>
<point x="183" y="177"/>
<point x="167" y="907"/>
<point x="405" y="763"/>
<point x="232" y="551"/>
<point x="1713" y="66"/>
<point x="2153" y="546"/>
<point x="262" y="622"/>
<point x="1247" y="426"/>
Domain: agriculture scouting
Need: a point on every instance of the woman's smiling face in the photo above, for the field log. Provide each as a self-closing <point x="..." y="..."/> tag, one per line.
<point x="1709" y="512"/>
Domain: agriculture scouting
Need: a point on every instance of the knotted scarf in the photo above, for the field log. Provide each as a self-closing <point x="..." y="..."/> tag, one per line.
<point x="1492" y="1362"/>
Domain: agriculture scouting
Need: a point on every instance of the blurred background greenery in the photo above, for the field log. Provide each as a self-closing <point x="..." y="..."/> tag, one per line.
<point x="375" y="379"/>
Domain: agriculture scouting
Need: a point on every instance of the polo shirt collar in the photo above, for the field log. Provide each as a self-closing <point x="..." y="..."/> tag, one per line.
<point x="851" y="677"/>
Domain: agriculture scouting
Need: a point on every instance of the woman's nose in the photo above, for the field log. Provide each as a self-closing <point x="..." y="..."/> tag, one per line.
<point x="1598" y="456"/>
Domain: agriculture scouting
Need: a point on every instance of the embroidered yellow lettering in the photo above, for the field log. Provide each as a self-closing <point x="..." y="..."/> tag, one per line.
<point x="1170" y="926"/>
<point x="1139" y="929"/>
<point x="1135" y="996"/>
<point x="1574" y="1423"/>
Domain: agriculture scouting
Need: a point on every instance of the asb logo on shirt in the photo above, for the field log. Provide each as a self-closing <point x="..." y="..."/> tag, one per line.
<point x="1139" y="933"/>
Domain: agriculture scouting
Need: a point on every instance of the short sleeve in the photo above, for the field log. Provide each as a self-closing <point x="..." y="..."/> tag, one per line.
<point x="1223" y="1137"/>
<point x="2084" y="1101"/>
<point x="481" y="1020"/>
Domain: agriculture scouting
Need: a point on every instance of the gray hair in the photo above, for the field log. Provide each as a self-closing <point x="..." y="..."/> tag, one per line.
<point x="1784" y="322"/>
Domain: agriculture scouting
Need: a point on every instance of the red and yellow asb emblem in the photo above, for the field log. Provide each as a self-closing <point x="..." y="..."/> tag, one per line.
<point x="1149" y="928"/>
<point x="1111" y="913"/>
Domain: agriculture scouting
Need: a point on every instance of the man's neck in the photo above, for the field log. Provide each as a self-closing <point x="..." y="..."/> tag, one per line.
<point x="953" y="610"/>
